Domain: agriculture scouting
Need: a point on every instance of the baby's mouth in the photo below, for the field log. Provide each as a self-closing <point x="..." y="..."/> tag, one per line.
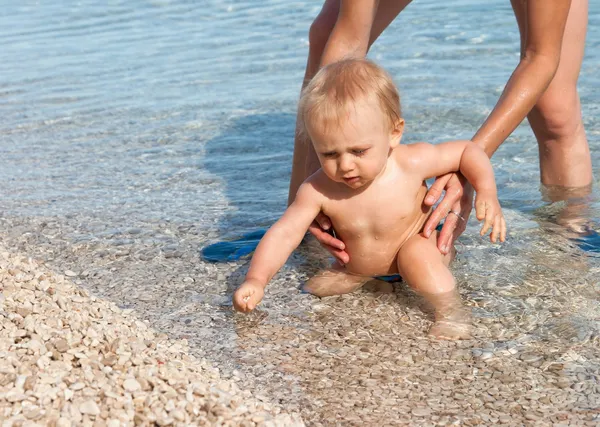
<point x="351" y="180"/>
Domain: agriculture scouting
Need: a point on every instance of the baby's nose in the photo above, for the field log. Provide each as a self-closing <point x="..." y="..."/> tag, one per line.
<point x="346" y="164"/>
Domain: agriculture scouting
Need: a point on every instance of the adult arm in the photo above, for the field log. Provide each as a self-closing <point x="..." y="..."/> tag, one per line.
<point x="352" y="31"/>
<point x="540" y="55"/>
<point x="467" y="157"/>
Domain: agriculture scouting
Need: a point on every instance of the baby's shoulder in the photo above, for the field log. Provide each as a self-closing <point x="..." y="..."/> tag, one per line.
<point x="411" y="156"/>
<point x="317" y="185"/>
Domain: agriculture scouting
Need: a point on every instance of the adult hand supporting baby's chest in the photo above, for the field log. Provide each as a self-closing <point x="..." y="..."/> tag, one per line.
<point x="319" y="228"/>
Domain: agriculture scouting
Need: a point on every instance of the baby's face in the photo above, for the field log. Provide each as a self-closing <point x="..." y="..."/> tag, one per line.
<point x="355" y="152"/>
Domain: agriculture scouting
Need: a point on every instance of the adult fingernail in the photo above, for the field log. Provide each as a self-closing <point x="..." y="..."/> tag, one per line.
<point x="326" y="226"/>
<point x="445" y="249"/>
<point x="429" y="199"/>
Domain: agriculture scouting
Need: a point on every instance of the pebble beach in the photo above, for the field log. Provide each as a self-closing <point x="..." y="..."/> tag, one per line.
<point x="68" y="358"/>
<point x="135" y="133"/>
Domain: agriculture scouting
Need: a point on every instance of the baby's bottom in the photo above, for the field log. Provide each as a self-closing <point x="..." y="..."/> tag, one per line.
<point x="425" y="269"/>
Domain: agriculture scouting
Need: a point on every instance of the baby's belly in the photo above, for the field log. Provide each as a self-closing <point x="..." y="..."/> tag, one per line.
<point x="373" y="259"/>
<point x="370" y="256"/>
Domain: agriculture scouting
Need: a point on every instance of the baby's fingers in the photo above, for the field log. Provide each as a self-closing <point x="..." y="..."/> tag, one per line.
<point x="487" y="216"/>
<point x="241" y="301"/>
<point x="495" y="230"/>
<point x="499" y="230"/>
<point x="480" y="208"/>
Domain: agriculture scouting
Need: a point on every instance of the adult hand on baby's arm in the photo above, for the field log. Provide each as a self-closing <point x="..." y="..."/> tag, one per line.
<point x="458" y="199"/>
<point x="487" y="208"/>
<point x="334" y="246"/>
<point x="248" y="296"/>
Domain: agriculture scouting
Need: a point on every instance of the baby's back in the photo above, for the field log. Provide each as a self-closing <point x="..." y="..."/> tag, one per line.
<point x="374" y="222"/>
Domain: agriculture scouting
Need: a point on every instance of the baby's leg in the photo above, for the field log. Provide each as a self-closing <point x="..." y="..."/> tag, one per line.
<point x="426" y="270"/>
<point x="335" y="281"/>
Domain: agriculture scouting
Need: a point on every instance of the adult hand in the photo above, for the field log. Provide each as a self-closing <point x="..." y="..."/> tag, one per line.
<point x="333" y="245"/>
<point x="455" y="207"/>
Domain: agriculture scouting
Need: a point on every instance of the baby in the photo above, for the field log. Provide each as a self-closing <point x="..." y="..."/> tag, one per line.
<point x="372" y="188"/>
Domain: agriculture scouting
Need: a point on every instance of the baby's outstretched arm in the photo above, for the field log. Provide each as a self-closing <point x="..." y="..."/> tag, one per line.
<point x="475" y="165"/>
<point x="276" y="246"/>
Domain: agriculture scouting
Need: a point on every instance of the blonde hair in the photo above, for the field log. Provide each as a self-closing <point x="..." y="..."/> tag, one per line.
<point x="339" y="86"/>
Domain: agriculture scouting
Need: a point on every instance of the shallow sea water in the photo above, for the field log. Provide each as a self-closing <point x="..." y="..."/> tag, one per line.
<point x="135" y="133"/>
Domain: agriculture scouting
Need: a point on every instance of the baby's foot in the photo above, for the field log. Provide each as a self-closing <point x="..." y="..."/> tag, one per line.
<point x="450" y="330"/>
<point x="452" y="319"/>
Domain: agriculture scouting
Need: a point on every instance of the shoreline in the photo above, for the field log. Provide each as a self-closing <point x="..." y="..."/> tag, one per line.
<point x="70" y="358"/>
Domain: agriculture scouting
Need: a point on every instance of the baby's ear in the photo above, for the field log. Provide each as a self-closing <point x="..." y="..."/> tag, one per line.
<point x="396" y="134"/>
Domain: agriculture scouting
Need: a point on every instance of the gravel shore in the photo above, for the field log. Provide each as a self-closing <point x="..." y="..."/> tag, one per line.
<point x="68" y="358"/>
<point x="361" y="359"/>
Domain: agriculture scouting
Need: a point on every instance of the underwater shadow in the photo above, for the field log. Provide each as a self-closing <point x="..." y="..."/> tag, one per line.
<point x="252" y="156"/>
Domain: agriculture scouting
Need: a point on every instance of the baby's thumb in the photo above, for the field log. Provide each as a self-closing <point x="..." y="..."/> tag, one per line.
<point x="479" y="210"/>
<point x="240" y="299"/>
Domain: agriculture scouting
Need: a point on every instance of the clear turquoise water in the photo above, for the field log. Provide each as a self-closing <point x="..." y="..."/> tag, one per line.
<point x="161" y="126"/>
<point x="169" y="109"/>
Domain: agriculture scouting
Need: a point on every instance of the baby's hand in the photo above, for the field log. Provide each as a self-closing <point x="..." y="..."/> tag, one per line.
<point x="488" y="208"/>
<point x="248" y="295"/>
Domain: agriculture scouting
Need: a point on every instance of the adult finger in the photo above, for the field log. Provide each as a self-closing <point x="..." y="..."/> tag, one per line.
<point x="438" y="214"/>
<point x="503" y="230"/>
<point x="461" y="223"/>
<point x="334" y="246"/>
<point x="325" y="238"/>
<point x="435" y="192"/>
<point x="446" y="235"/>
<point x="323" y="221"/>
<point x="341" y="256"/>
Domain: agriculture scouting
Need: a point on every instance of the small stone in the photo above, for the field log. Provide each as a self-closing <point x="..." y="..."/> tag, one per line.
<point x="178" y="415"/>
<point x="70" y="273"/>
<point x="14" y="396"/>
<point x="530" y="357"/>
<point x="32" y="412"/>
<point x="421" y="412"/>
<point x="131" y="385"/>
<point x="23" y="312"/>
<point x="63" y="422"/>
<point x="61" y="345"/>
<point x="486" y="355"/>
<point x="89" y="407"/>
<point x="531" y="416"/>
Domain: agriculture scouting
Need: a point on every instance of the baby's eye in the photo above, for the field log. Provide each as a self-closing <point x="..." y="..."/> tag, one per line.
<point x="359" y="152"/>
<point x="329" y="155"/>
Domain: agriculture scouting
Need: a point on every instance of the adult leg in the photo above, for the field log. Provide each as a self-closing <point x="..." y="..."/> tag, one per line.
<point x="305" y="161"/>
<point x="427" y="272"/>
<point x="556" y="120"/>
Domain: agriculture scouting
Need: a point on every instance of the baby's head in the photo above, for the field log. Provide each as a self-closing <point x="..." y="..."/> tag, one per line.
<point x="351" y="112"/>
